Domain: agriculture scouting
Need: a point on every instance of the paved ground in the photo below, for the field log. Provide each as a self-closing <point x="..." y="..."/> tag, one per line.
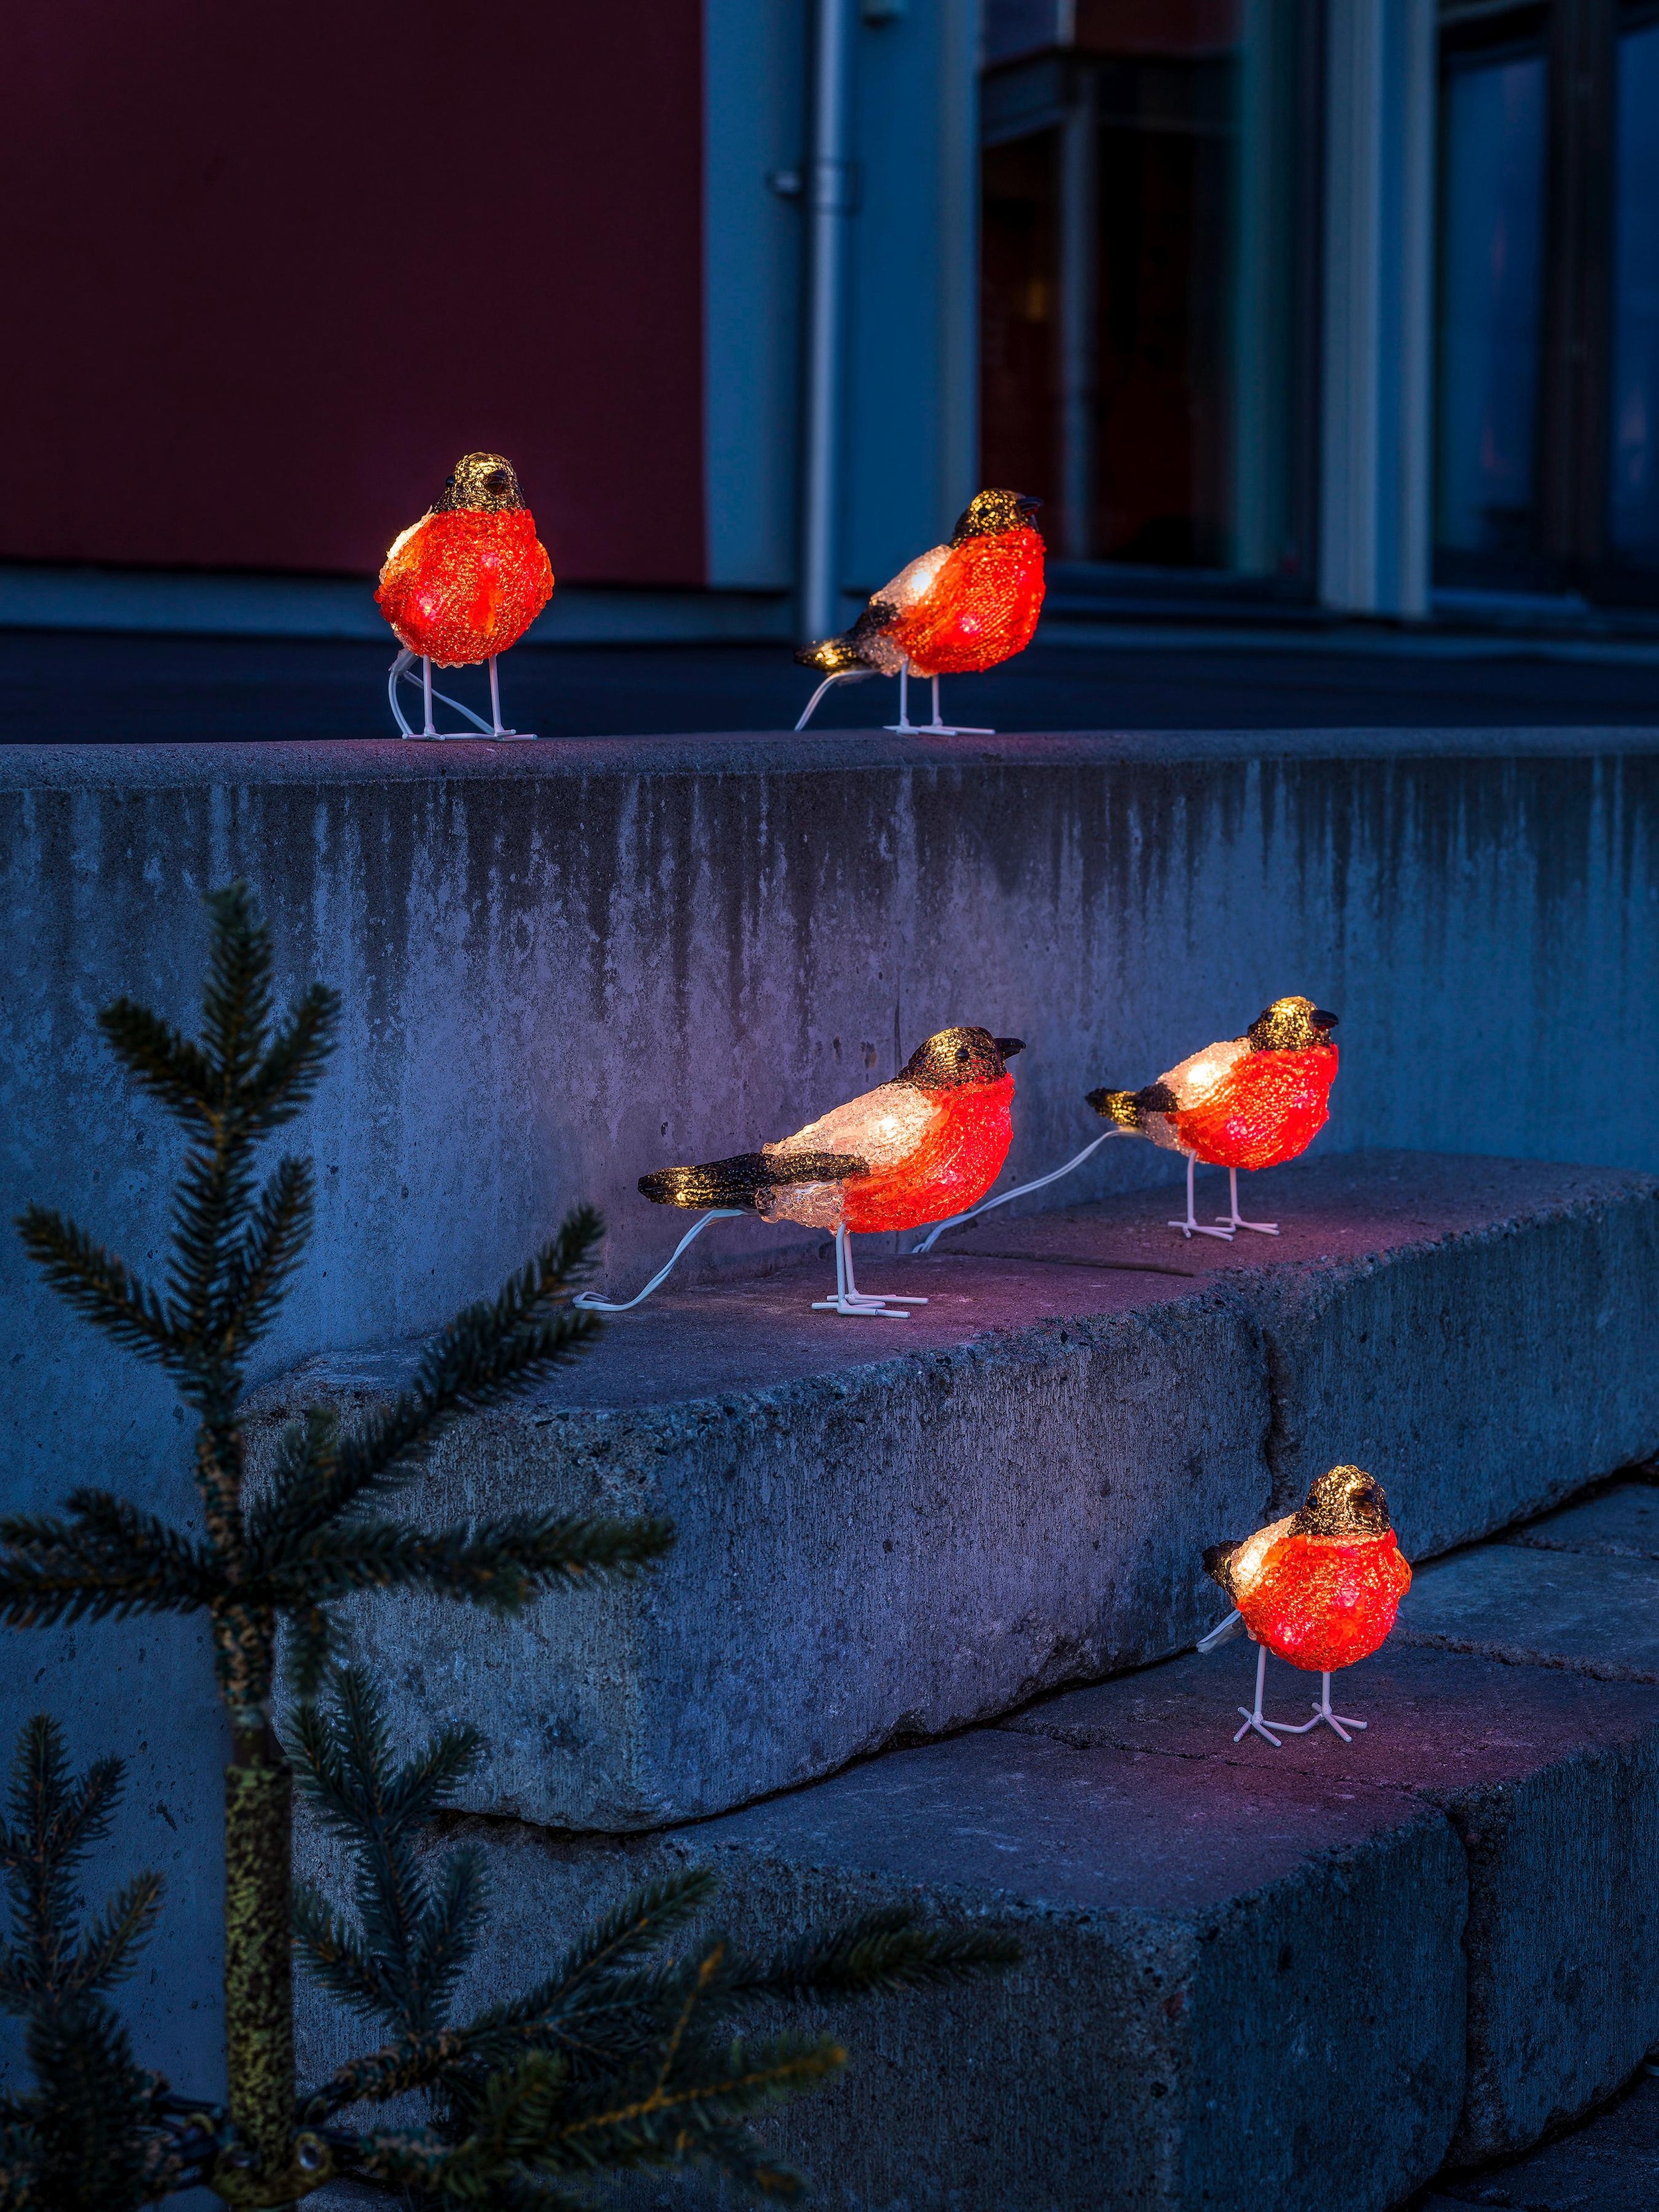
<point x="1611" y="2166"/>
<point x="87" y="685"/>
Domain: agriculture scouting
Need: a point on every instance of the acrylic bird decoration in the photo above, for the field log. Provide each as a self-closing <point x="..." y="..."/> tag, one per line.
<point x="1319" y="1588"/>
<point x="1254" y="1101"/>
<point x="957" y="609"/>
<point x="463" y="584"/>
<point x="910" y="1151"/>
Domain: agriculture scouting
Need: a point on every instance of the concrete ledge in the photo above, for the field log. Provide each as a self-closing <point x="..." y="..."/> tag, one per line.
<point x="1292" y="1978"/>
<point x="890" y="1531"/>
<point x="1552" y="1784"/>
<point x="1483" y="1335"/>
<point x="870" y="1546"/>
<point x="1239" y="1990"/>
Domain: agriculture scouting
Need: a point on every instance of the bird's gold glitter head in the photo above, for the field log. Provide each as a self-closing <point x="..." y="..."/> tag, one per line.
<point x="1290" y="1025"/>
<point x="990" y="512"/>
<point x="486" y="484"/>
<point x="1345" y="1501"/>
<point x="955" y="1057"/>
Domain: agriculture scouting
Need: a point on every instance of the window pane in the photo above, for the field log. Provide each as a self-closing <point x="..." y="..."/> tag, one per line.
<point x="1635" y="520"/>
<point x="1138" y="318"/>
<point x="1491" y="286"/>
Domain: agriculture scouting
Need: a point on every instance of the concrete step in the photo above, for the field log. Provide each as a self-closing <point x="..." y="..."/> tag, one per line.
<point x="889" y="1530"/>
<point x="1612" y="2165"/>
<point x="1294" y="1978"/>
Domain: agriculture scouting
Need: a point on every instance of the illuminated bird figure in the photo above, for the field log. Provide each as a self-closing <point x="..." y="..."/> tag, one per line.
<point x="1319" y="1588"/>
<point x="1253" y="1102"/>
<point x="953" y="610"/>
<point x="463" y="584"/>
<point x="910" y="1151"/>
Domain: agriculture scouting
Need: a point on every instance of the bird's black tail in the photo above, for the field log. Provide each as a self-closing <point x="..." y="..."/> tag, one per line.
<point x="740" y="1180"/>
<point x="840" y="656"/>
<point x="1129" y="1109"/>
<point x="1117" y="1106"/>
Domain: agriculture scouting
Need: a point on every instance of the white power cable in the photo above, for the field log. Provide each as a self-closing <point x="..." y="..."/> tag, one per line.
<point x="1020" y="1191"/>
<point x="591" y="1302"/>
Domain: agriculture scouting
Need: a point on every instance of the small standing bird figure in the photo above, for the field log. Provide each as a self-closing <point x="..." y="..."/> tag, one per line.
<point x="463" y="583"/>
<point x="1253" y="1102"/>
<point x="910" y="1151"/>
<point x="953" y="610"/>
<point x="1320" y="1587"/>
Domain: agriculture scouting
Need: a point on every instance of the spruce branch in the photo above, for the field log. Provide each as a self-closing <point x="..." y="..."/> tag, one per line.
<point x="112" y="1558"/>
<point x="100" y="1287"/>
<point x="498" y="1565"/>
<point x="878" y="1953"/>
<point x="236" y="1001"/>
<point x="488" y="1352"/>
<point x="171" y="1068"/>
<point x="337" y="1956"/>
<point x="286" y="1079"/>
<point x="94" y="2107"/>
<point x="55" y="1820"/>
<point x="258" y="1269"/>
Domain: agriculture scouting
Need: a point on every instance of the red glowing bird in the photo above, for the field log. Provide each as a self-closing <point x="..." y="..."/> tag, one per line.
<point x="955" y="610"/>
<point x="1319" y="1588"/>
<point x="466" y="582"/>
<point x="1255" y="1101"/>
<point x="910" y="1151"/>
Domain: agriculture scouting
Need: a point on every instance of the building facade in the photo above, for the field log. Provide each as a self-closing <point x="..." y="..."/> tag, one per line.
<point x="1279" y="305"/>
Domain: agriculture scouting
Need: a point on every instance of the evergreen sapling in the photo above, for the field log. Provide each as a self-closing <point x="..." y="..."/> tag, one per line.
<point x="629" y="2053"/>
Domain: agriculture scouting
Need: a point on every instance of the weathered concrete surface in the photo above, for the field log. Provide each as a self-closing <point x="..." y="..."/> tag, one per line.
<point x="1550" y="1781"/>
<point x="1596" y="1615"/>
<point x="562" y="965"/>
<point x="1623" y="1523"/>
<point x="1612" y="2165"/>
<point x="888" y="1537"/>
<point x="1508" y="1270"/>
<point x="1239" y="1990"/>
<point x="892" y="1529"/>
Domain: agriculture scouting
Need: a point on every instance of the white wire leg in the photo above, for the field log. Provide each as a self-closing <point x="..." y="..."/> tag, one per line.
<point x="1019" y="1191"/>
<point x="1342" y="1722"/>
<point x="1192" y="1226"/>
<point x="904" y="726"/>
<point x="849" y="1299"/>
<point x="402" y="671"/>
<point x="1236" y="1219"/>
<point x="521" y="736"/>
<point x="1253" y="1716"/>
<point x="937" y="728"/>
<point x="591" y="1302"/>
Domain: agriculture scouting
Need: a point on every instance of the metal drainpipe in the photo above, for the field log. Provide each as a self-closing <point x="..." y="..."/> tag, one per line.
<point x="829" y="183"/>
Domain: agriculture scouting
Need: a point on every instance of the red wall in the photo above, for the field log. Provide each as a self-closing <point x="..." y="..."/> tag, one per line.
<point x="269" y="269"/>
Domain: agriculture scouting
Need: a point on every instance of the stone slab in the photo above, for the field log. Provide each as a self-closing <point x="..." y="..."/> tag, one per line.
<point x="1537" y="1287"/>
<point x="1597" y="1615"/>
<point x="1550" y="1781"/>
<point x="912" y="1527"/>
<point x="1610" y="2165"/>
<point x="890" y="1529"/>
<point x="1623" y="1523"/>
<point x="1239" y="1989"/>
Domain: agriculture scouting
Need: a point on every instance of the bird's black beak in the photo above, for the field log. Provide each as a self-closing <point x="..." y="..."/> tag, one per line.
<point x="1322" y="1020"/>
<point x="1009" y="1046"/>
<point x="1027" y="506"/>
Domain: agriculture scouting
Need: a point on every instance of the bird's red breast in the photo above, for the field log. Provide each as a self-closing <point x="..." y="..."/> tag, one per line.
<point x="1267" y="1109"/>
<point x="1324" y="1602"/>
<point x="980" y="608"/>
<point x="465" y="584"/>
<point x="959" y="1157"/>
